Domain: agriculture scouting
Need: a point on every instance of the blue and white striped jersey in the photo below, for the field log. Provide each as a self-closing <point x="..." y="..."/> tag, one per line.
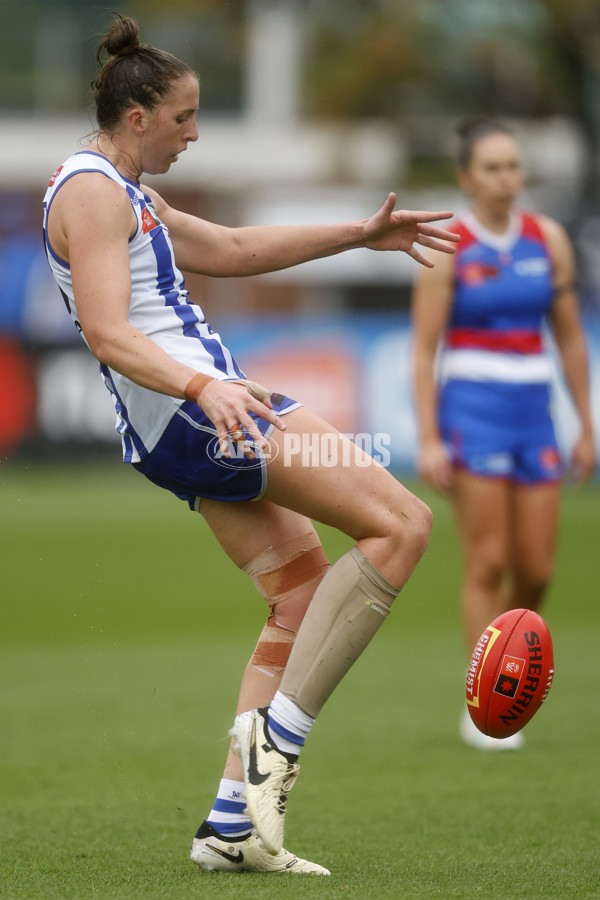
<point x="159" y="308"/>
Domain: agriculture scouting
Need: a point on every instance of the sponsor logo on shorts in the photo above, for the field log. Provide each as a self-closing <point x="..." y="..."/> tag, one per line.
<point x="549" y="459"/>
<point x="492" y="463"/>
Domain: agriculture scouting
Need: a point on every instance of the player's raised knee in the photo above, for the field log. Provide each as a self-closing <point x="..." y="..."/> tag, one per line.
<point x="422" y="524"/>
<point x="413" y="521"/>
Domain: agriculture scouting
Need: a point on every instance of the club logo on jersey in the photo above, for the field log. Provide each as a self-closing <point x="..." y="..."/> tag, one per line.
<point x="148" y="220"/>
<point x="476" y="273"/>
<point x="509" y="677"/>
<point x="55" y="176"/>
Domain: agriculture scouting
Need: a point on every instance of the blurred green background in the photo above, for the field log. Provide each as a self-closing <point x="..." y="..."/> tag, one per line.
<point x="97" y="553"/>
<point x="124" y="634"/>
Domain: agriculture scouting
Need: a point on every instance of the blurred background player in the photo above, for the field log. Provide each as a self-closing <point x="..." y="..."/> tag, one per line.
<point x="183" y="404"/>
<point x="486" y="434"/>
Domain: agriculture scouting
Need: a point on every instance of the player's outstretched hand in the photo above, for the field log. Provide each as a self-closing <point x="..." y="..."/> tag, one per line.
<point x="402" y="229"/>
<point x="228" y="403"/>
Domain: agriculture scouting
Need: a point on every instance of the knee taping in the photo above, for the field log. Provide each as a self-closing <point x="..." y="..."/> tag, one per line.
<point x="285" y="572"/>
<point x="287" y="576"/>
<point x="273" y="649"/>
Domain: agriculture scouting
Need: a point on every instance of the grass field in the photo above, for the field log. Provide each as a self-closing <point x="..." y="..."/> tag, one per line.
<point x="124" y="632"/>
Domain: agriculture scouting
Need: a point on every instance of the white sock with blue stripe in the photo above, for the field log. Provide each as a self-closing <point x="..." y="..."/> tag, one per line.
<point x="227" y="815"/>
<point x="288" y="724"/>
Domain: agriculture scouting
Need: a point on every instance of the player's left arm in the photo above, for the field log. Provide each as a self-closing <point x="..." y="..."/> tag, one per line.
<point x="210" y="249"/>
<point x="570" y="340"/>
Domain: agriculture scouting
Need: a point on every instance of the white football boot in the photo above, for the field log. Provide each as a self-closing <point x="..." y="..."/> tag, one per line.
<point x="268" y="776"/>
<point x="473" y="737"/>
<point x="215" y="852"/>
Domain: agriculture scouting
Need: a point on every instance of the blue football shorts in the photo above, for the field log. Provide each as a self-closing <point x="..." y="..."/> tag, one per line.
<point x="501" y="430"/>
<point x="188" y="461"/>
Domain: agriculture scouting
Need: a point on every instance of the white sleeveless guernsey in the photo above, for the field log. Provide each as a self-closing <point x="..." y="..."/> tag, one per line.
<point x="159" y="307"/>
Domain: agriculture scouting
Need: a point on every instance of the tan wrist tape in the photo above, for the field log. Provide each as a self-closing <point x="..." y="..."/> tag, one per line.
<point x="253" y="387"/>
<point x="195" y="386"/>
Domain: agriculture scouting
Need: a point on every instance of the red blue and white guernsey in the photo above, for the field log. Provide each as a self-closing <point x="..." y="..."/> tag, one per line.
<point x="495" y="371"/>
<point x="159" y="307"/>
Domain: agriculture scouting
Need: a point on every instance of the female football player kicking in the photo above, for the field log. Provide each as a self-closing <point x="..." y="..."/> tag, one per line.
<point x="184" y="406"/>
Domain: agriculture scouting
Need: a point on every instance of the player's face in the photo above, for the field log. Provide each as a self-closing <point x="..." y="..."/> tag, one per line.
<point x="172" y="126"/>
<point x="494" y="176"/>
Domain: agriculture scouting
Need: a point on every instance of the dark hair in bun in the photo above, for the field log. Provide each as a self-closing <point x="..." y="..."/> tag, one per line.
<point x="470" y="131"/>
<point x="130" y="73"/>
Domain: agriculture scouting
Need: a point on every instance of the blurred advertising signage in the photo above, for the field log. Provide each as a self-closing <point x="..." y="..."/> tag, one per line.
<point x="354" y="371"/>
<point x="74" y="406"/>
<point x="323" y="379"/>
<point x="17" y="397"/>
<point x="351" y="370"/>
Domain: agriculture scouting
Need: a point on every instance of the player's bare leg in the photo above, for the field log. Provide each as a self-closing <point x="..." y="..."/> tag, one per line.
<point x="280" y="550"/>
<point x="534" y="529"/>
<point x="391" y="528"/>
<point x="356" y="496"/>
<point x="508" y="538"/>
<point x="245" y="531"/>
<point x="482" y="508"/>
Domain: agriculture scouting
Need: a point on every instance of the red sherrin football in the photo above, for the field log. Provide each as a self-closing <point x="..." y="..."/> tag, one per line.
<point x="510" y="672"/>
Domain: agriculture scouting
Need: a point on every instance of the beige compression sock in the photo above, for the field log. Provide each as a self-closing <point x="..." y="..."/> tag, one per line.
<point x="348" y="607"/>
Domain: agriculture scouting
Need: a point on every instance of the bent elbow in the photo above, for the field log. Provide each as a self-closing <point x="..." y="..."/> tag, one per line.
<point x="101" y="345"/>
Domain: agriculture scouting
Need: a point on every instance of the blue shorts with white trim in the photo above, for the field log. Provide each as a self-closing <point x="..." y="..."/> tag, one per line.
<point x="188" y="461"/>
<point x="501" y="430"/>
